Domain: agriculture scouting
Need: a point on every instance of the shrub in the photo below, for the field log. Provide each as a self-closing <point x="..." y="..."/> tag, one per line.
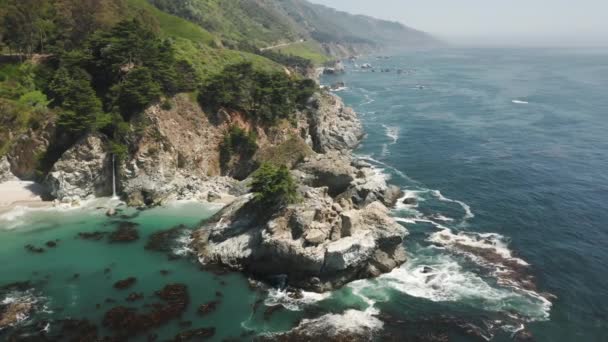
<point x="72" y="91"/>
<point x="274" y="185"/>
<point x="237" y="142"/>
<point x="136" y="92"/>
<point x="166" y="105"/>
<point x="264" y="96"/>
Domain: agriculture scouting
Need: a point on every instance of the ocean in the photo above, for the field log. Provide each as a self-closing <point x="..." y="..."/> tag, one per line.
<point x="503" y="157"/>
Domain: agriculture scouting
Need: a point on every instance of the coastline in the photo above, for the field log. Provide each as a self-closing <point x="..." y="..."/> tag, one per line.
<point x="17" y="193"/>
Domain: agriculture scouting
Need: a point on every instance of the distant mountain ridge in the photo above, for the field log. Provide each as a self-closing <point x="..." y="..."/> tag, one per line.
<point x="263" y="23"/>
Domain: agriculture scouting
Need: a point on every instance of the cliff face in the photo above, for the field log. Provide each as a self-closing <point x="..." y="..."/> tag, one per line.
<point x="341" y="230"/>
<point x="323" y="242"/>
<point x="175" y="153"/>
<point x="177" y="156"/>
<point x="83" y="171"/>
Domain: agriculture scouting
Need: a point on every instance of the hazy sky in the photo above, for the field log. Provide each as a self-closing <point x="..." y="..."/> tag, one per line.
<point x="554" y="22"/>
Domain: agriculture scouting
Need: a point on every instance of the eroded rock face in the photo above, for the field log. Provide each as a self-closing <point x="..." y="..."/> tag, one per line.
<point x="5" y="171"/>
<point x="27" y="148"/>
<point x="83" y="171"/>
<point x="333" y="126"/>
<point x="176" y="157"/>
<point x="321" y="243"/>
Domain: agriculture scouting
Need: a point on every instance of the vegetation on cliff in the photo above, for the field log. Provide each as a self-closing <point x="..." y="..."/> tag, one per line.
<point x="69" y="68"/>
<point x="273" y="185"/>
<point x="264" y="97"/>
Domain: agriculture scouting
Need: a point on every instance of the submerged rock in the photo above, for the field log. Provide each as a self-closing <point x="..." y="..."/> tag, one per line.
<point x="125" y="283"/>
<point x="164" y="241"/>
<point x="207" y="308"/>
<point x="95" y="236"/>
<point x="33" y="249"/>
<point x="134" y="296"/>
<point x="195" y="335"/>
<point x="125" y="232"/>
<point x="126" y="322"/>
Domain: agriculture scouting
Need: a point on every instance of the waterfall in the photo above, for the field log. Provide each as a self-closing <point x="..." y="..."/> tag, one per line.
<point x="114" y="177"/>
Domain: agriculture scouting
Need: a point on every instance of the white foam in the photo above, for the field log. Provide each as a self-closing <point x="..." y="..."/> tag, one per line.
<point x="392" y="132"/>
<point x="442" y="218"/>
<point x="444" y="280"/>
<point x="398" y="172"/>
<point x="334" y="325"/>
<point x="467" y="209"/>
<point x="339" y="89"/>
<point x="385" y="151"/>
<point x="282" y="297"/>
<point x="519" y="102"/>
<point x="184" y="244"/>
<point x="488" y="241"/>
<point x="20" y="298"/>
<point x="18" y="216"/>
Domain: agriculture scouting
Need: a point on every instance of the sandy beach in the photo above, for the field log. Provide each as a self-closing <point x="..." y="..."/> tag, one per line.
<point x="21" y="193"/>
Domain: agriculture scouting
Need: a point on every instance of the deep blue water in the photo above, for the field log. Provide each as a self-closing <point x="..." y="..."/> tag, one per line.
<point x="520" y="136"/>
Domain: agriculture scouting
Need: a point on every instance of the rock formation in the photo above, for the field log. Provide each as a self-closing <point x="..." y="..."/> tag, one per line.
<point x="333" y="126"/>
<point x="83" y="171"/>
<point x="5" y="171"/>
<point x="340" y="231"/>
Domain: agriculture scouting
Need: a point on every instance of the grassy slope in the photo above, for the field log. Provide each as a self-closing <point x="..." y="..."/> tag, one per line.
<point x="195" y="45"/>
<point x="172" y="26"/>
<point x="208" y="61"/>
<point x="257" y="22"/>
<point x="252" y="21"/>
<point x="310" y="50"/>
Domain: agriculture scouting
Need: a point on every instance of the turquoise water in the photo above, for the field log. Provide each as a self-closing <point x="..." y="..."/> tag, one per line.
<point x="506" y="154"/>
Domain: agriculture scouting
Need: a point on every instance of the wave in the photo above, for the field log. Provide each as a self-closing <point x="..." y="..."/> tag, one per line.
<point x="339" y="89"/>
<point x="353" y="323"/>
<point x="392" y="132"/>
<point x="490" y="242"/>
<point x="291" y="302"/>
<point x="467" y="209"/>
<point x="438" y="277"/>
<point x="385" y="152"/>
<point x="519" y="102"/>
<point x="184" y="244"/>
<point x="393" y="169"/>
<point x="29" y="302"/>
<point x="19" y="215"/>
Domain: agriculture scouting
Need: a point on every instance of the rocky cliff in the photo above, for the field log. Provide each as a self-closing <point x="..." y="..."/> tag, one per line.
<point x="340" y="230"/>
<point x="5" y="170"/>
<point x="83" y="171"/>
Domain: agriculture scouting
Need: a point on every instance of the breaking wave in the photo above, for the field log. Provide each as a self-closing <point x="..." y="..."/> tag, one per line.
<point x="291" y="302"/>
<point x="392" y="132"/>
<point x="467" y="209"/>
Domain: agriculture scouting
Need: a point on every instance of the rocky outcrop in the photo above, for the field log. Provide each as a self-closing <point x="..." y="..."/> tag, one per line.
<point x="333" y="126"/>
<point x="323" y="242"/>
<point x="333" y="170"/>
<point x="5" y="171"/>
<point x="14" y="312"/>
<point x="83" y="171"/>
<point x="27" y="148"/>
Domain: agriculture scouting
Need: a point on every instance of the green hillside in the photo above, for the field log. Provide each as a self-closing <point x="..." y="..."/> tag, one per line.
<point x="262" y="23"/>
<point x="173" y="26"/>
